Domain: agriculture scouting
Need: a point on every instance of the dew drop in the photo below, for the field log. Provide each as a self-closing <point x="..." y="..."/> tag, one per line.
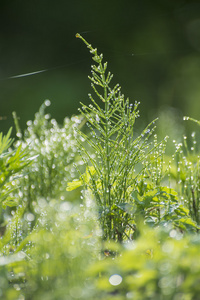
<point x="47" y="102"/>
<point x="115" y="279"/>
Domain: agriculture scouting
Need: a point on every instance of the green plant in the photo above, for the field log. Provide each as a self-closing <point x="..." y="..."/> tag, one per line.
<point x="55" y="150"/>
<point x="185" y="174"/>
<point x="116" y="147"/>
<point x="51" y="262"/>
<point x="12" y="162"/>
<point x="54" y="248"/>
<point x="155" y="201"/>
<point x="160" y="264"/>
<point x="122" y="163"/>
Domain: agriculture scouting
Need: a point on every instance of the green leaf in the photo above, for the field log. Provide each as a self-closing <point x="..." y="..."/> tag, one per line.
<point x="74" y="185"/>
<point x="182" y="211"/>
<point x="188" y="221"/>
<point x="10" y="202"/>
<point x="127" y="207"/>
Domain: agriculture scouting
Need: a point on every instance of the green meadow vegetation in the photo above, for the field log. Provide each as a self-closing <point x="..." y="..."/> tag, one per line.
<point x="96" y="208"/>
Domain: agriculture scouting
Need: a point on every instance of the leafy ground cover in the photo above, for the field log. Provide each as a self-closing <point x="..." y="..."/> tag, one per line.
<point x="95" y="208"/>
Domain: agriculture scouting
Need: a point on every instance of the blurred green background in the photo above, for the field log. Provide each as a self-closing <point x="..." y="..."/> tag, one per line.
<point x="152" y="48"/>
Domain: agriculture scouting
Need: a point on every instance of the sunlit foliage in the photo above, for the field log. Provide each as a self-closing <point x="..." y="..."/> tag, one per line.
<point x="128" y="225"/>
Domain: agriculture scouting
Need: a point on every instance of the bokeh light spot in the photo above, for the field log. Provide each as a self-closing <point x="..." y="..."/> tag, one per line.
<point x="115" y="279"/>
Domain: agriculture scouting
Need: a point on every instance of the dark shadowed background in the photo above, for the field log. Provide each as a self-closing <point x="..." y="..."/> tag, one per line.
<point x="152" y="47"/>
